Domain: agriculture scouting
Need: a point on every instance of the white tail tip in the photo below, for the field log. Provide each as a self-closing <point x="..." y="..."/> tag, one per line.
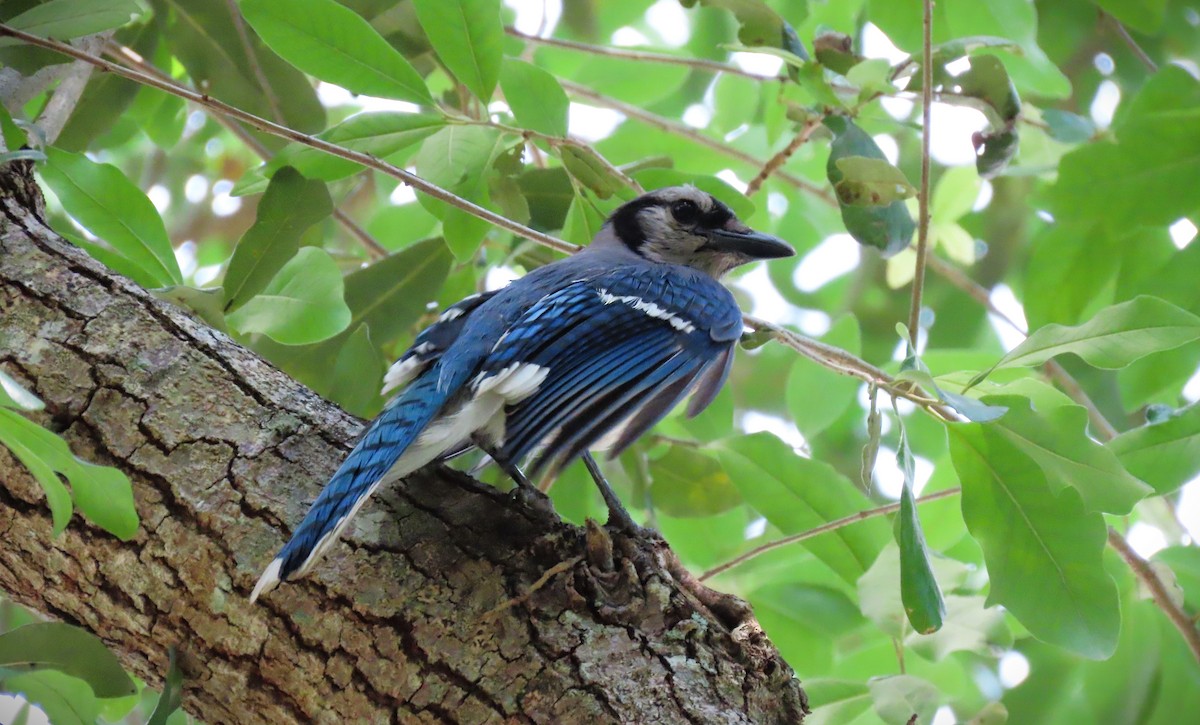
<point x="267" y="581"/>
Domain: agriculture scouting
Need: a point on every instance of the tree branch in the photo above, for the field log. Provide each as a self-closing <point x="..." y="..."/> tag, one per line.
<point x="1158" y="591"/>
<point x="780" y="158"/>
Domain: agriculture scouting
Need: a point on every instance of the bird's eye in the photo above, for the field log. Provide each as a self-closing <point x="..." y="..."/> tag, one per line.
<point x="685" y="211"/>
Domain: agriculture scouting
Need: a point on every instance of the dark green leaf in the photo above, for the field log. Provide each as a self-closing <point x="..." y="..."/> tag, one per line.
<point x="357" y="374"/>
<point x="1043" y="551"/>
<point x="993" y="150"/>
<point x="537" y="100"/>
<point x="392" y="293"/>
<point x="68" y="649"/>
<point x="108" y="205"/>
<point x="290" y="206"/>
<point x="759" y="25"/>
<point x="1165" y="455"/>
<point x="1145" y="16"/>
<point x="688" y="482"/>
<point x="172" y="694"/>
<point x="469" y="38"/>
<point x="918" y="588"/>
<point x="301" y="304"/>
<point x="335" y="44"/>
<point x="887" y="228"/>
<point x="199" y="33"/>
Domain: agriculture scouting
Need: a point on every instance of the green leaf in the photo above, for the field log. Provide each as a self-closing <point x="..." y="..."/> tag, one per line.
<point x="383" y="134"/>
<point x="954" y="194"/>
<point x="1165" y="455"/>
<point x="21" y="437"/>
<point x="67" y="19"/>
<point x="301" y="304"/>
<point x="1043" y="551"/>
<point x="1057" y="440"/>
<point x="583" y="222"/>
<point x="900" y="697"/>
<point x="392" y="293"/>
<point x="537" y="101"/>
<point x="1184" y="562"/>
<point x="357" y="374"/>
<point x="918" y="588"/>
<point x="688" y="482"/>
<point x="797" y="494"/>
<point x="246" y="73"/>
<point x="108" y="205"/>
<point x="871" y="182"/>
<point x="66" y="700"/>
<point x="887" y="228"/>
<point x="1068" y="127"/>
<point x="1113" y="338"/>
<point x="813" y="412"/>
<point x="14" y="395"/>
<point x="103" y="494"/>
<point x="1145" y="16"/>
<point x="290" y="206"/>
<point x="172" y="694"/>
<point x="588" y="168"/>
<point x="335" y="44"/>
<point x="1137" y="179"/>
<point x="68" y="649"/>
<point x="469" y="38"/>
<point x="970" y="626"/>
<point x="759" y="25"/>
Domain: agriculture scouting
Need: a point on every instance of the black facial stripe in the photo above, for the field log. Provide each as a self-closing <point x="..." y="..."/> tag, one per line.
<point x="625" y="222"/>
<point x="717" y="216"/>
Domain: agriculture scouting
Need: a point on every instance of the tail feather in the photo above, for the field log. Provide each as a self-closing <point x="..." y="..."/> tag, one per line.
<point x="379" y="454"/>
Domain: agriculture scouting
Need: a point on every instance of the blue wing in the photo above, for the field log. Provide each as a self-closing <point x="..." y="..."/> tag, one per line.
<point x="621" y="350"/>
<point x="432" y="342"/>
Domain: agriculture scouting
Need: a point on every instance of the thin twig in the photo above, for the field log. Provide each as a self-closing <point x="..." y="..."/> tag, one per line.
<point x="822" y="529"/>
<point x="375" y="250"/>
<point x="918" y="283"/>
<point x="780" y="158"/>
<point x="641" y="55"/>
<point x="290" y="134"/>
<point x="691" y="134"/>
<point x="1137" y="49"/>
<point x="1158" y="591"/>
<point x="841" y="361"/>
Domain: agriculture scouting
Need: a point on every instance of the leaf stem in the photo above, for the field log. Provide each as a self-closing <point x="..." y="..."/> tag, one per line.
<point x="822" y="529"/>
<point x="918" y="283"/>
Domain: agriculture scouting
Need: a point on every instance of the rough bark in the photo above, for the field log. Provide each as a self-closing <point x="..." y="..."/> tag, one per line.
<point x="428" y="612"/>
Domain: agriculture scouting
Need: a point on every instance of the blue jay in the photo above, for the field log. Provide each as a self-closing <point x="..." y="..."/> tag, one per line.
<point x="586" y="352"/>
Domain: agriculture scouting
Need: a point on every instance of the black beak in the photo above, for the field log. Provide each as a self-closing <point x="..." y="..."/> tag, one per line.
<point x="749" y="243"/>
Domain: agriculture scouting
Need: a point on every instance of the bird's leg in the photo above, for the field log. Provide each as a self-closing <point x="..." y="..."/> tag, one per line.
<point x="525" y="489"/>
<point x="618" y="517"/>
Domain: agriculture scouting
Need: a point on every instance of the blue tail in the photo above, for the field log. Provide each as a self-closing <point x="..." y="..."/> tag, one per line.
<point x="386" y="440"/>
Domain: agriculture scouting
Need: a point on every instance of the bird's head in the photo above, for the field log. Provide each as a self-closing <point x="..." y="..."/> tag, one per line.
<point x="684" y="225"/>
